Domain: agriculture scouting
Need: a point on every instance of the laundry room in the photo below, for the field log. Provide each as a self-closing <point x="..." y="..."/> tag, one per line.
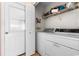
<point x="39" y="28"/>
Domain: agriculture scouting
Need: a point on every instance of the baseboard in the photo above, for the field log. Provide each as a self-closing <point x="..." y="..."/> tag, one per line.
<point x="30" y="55"/>
<point x="22" y="54"/>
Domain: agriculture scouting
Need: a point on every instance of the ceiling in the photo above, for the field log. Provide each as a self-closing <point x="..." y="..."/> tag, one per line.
<point x="51" y="3"/>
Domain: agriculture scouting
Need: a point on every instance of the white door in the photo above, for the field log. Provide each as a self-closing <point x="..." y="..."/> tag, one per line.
<point x="14" y="28"/>
<point x="30" y="29"/>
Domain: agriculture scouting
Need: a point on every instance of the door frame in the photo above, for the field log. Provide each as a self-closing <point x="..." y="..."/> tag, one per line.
<point x="2" y="29"/>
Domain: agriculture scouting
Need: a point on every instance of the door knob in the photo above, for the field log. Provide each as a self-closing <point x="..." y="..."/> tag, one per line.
<point x="6" y="32"/>
<point x="30" y="32"/>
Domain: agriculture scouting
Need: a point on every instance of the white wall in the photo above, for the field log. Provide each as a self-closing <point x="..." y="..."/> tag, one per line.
<point x="67" y="20"/>
<point x="43" y="7"/>
<point x="0" y="28"/>
<point x="38" y="13"/>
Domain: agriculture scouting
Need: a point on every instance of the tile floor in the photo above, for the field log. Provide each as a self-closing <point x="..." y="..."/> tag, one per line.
<point x="36" y="54"/>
